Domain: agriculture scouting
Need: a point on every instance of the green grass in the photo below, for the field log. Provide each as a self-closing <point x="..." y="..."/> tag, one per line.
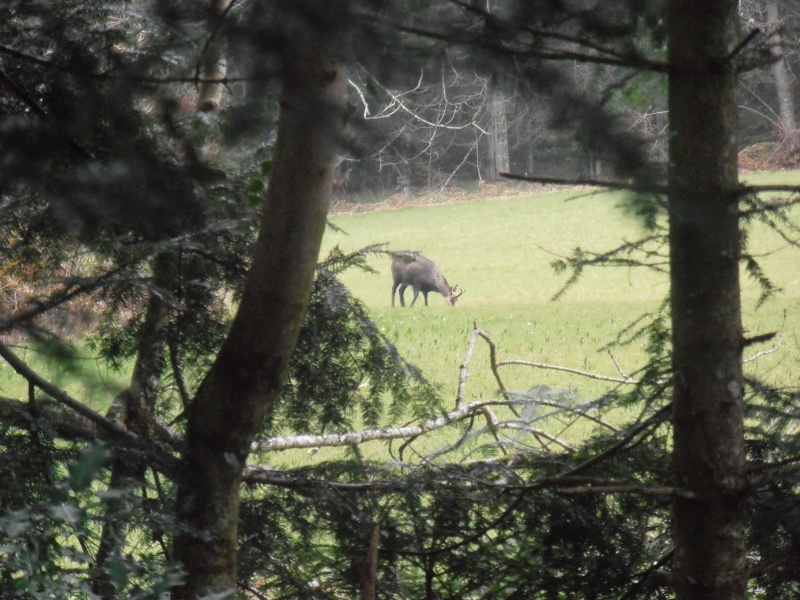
<point x="501" y="251"/>
<point x="83" y="377"/>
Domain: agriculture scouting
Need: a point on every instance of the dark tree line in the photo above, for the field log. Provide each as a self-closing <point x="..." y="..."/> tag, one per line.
<point x="441" y="129"/>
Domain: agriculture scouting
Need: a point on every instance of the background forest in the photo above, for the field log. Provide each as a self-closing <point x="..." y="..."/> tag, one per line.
<point x="168" y="169"/>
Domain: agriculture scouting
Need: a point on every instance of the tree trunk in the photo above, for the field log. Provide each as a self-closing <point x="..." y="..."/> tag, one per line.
<point x="369" y="570"/>
<point x="214" y="63"/>
<point x="498" y="130"/>
<point x="708" y="455"/>
<point x="133" y="409"/>
<point x="783" y="86"/>
<point x="241" y="386"/>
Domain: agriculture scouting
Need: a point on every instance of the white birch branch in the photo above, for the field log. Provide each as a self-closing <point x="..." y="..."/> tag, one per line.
<point x="354" y="438"/>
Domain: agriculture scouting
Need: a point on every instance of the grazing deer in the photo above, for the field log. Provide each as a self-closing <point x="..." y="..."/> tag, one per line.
<point x="410" y="268"/>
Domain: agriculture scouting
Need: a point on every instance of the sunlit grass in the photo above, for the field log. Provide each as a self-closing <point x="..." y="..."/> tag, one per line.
<point x="79" y="373"/>
<point x="500" y="250"/>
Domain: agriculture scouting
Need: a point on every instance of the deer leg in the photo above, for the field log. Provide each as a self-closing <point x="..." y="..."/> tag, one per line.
<point x="402" y="291"/>
<point x="394" y="289"/>
<point x="416" y="294"/>
<point x="425" y="295"/>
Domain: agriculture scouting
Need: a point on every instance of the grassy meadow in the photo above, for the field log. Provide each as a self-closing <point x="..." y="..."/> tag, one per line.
<point x="500" y="250"/>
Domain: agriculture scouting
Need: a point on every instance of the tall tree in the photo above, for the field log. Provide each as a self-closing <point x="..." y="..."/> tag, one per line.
<point x="705" y="247"/>
<point x="243" y="383"/>
<point x="783" y="86"/>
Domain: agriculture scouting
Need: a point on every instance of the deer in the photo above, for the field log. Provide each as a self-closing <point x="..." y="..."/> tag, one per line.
<point x="410" y="268"/>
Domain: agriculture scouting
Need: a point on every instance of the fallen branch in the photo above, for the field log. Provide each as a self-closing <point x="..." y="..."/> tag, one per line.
<point x="353" y="438"/>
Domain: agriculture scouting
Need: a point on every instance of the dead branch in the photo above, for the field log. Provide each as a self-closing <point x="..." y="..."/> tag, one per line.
<point x="493" y="364"/>
<point x="462" y="371"/>
<point x="616" y="364"/>
<point x="537" y="365"/>
<point x="462" y="411"/>
<point x="645" y="490"/>
<point x="766" y="337"/>
<point x="537" y="433"/>
<point x="353" y="438"/>
<point x="492" y="424"/>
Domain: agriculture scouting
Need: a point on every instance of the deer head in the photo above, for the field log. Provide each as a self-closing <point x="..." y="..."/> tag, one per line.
<point x="454" y="295"/>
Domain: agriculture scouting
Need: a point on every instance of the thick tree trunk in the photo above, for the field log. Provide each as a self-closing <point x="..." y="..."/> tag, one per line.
<point x="708" y="454"/>
<point x="783" y="86"/>
<point x="242" y="385"/>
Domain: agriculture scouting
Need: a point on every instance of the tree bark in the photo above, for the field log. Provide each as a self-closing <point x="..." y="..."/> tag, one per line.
<point x="498" y="130"/>
<point x="133" y="409"/>
<point x="369" y="570"/>
<point x="783" y="87"/>
<point x="214" y="63"/>
<point x="708" y="455"/>
<point x="241" y="386"/>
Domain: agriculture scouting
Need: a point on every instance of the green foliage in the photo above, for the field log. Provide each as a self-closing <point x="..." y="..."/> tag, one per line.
<point x="480" y="529"/>
<point x="344" y="371"/>
<point x="46" y="541"/>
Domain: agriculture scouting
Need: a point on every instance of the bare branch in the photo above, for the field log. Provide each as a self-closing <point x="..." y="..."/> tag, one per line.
<point x="494" y="365"/>
<point x="616" y="364"/>
<point x="511" y="400"/>
<point x="354" y="438"/>
<point x="628" y="489"/>
<point x="537" y="365"/>
<point x="619" y="184"/>
<point x="774" y="347"/>
<point x="462" y="371"/>
<point x="115" y="431"/>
